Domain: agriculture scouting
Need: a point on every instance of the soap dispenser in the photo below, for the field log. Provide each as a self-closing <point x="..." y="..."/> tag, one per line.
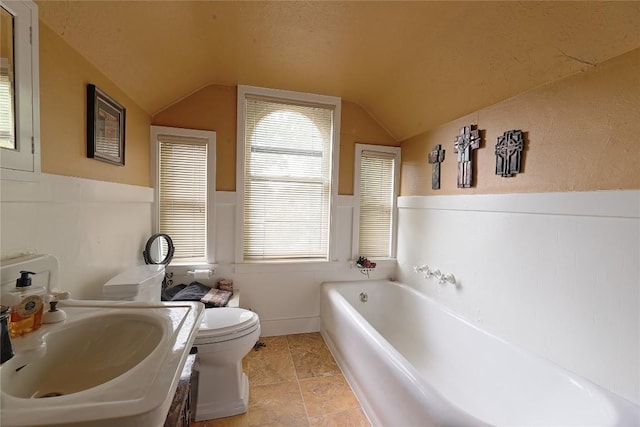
<point x="27" y="306"/>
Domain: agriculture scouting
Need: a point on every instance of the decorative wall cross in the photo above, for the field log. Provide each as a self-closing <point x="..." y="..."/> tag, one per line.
<point x="436" y="156"/>
<point x="465" y="143"/>
<point x="509" y="153"/>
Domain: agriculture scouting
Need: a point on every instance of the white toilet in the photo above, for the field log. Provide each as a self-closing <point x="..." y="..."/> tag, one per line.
<point x="225" y="336"/>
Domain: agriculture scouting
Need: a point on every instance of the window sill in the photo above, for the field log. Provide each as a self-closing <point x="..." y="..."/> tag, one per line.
<point x="305" y="266"/>
<point x="285" y="266"/>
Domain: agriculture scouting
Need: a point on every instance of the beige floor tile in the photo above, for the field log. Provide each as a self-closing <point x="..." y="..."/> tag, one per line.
<point x="277" y="405"/>
<point x="241" y="420"/>
<point x="270" y="369"/>
<point x="349" y="418"/>
<point x="326" y="395"/>
<point x="273" y="345"/>
<point x="318" y="363"/>
<point x="295" y="382"/>
<point x="309" y="342"/>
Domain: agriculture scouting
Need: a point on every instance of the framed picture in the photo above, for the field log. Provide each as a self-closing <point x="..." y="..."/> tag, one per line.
<point x="105" y="127"/>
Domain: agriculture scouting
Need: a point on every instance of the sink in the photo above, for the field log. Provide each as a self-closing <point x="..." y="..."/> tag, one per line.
<point x="109" y="363"/>
<point x="86" y="354"/>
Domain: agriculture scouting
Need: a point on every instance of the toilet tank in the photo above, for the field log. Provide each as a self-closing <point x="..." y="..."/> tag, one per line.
<point x="140" y="283"/>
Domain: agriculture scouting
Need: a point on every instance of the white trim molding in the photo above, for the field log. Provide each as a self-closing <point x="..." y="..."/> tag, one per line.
<point x="609" y="203"/>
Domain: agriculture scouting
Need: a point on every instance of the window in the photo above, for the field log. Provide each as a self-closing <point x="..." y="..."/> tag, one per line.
<point x="377" y="176"/>
<point x="7" y="110"/>
<point x="19" y="90"/>
<point x="286" y="181"/>
<point x="184" y="165"/>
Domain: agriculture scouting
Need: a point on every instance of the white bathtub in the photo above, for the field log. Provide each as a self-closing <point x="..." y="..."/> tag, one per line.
<point x="411" y="362"/>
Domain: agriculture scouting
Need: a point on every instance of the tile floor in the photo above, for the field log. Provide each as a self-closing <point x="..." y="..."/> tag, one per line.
<point x="294" y="381"/>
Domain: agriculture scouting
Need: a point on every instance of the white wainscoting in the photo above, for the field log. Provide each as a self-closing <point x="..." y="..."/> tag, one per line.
<point x="557" y="273"/>
<point x="285" y="296"/>
<point x="96" y="229"/>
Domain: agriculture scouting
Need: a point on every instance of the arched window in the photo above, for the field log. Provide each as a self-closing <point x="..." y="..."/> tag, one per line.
<point x="286" y="182"/>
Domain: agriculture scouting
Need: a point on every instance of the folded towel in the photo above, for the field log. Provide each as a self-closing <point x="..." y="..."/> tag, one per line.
<point x="192" y="292"/>
<point x="217" y="297"/>
<point x="168" y="293"/>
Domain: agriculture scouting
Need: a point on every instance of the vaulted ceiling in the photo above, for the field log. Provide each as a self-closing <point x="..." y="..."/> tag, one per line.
<point x="411" y="65"/>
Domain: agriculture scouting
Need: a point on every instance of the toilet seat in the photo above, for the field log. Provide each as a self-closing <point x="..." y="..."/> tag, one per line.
<point x="226" y="323"/>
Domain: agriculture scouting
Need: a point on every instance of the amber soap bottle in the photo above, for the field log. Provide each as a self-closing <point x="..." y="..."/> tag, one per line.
<point x="28" y="306"/>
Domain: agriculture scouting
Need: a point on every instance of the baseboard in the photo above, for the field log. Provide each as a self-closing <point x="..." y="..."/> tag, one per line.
<point x="295" y="325"/>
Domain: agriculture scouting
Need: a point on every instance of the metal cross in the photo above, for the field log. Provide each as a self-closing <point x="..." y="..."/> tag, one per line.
<point x="436" y="156"/>
<point x="465" y="143"/>
<point x="509" y="153"/>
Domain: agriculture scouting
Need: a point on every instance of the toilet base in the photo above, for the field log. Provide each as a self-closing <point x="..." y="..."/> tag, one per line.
<point x="230" y="404"/>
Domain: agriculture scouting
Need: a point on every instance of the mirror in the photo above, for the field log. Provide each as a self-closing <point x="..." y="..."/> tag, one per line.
<point x="7" y="82"/>
<point x="158" y="250"/>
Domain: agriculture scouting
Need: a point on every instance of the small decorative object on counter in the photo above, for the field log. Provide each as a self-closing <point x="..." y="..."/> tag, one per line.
<point x="365" y="265"/>
<point x="27" y="306"/>
<point x="225" y="285"/>
<point x="53" y="315"/>
<point x="363" y="262"/>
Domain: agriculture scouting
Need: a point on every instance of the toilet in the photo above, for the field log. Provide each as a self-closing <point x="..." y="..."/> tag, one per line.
<point x="225" y="336"/>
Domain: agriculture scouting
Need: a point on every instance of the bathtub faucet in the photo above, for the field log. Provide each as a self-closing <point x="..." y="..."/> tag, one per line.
<point x="443" y="278"/>
<point x="437" y="274"/>
<point x="423" y="269"/>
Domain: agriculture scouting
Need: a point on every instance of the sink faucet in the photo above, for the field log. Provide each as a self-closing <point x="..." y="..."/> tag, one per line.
<point x="6" y="348"/>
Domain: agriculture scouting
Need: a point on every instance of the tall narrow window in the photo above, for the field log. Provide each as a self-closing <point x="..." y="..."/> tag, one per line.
<point x="184" y="193"/>
<point x="376" y="191"/>
<point x="19" y="91"/>
<point x="286" y="165"/>
<point x="7" y="110"/>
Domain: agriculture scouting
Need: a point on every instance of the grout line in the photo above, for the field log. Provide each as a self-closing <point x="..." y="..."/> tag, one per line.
<point x="295" y="371"/>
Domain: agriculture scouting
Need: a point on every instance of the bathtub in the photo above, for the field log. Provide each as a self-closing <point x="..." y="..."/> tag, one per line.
<point x="412" y="362"/>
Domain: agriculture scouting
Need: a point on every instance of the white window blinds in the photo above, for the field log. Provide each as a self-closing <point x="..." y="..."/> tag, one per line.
<point x="7" y="112"/>
<point x="377" y="193"/>
<point x="183" y="195"/>
<point x="287" y="180"/>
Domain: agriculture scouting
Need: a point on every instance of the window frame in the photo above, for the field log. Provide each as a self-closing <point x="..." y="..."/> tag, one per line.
<point x="210" y="137"/>
<point x="295" y="98"/>
<point x="396" y="151"/>
<point x="24" y="163"/>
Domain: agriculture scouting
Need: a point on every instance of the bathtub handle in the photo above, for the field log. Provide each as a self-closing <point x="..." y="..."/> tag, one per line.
<point x="428" y="273"/>
<point x="422" y="269"/>
<point x="447" y="278"/>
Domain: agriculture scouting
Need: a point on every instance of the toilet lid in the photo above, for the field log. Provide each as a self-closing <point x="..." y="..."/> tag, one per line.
<point x="225" y="321"/>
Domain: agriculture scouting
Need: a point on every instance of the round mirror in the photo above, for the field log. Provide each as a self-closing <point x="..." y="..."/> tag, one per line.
<point x="159" y="249"/>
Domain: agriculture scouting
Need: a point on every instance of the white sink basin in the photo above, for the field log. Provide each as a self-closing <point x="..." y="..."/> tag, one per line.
<point x="109" y="363"/>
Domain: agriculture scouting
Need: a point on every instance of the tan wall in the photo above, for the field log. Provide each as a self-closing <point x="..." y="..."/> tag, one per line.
<point x="64" y="75"/>
<point x="214" y="108"/>
<point x="582" y="134"/>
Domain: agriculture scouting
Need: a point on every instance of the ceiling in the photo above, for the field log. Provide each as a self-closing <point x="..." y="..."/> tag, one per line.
<point x="411" y="65"/>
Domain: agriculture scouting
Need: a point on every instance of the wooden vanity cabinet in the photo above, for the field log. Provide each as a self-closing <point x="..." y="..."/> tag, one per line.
<point x="182" y="410"/>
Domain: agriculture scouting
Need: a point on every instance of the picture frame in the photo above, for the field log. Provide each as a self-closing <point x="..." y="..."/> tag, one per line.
<point x="105" y="127"/>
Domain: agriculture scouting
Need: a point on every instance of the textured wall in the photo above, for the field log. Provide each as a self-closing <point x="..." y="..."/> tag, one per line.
<point x="64" y="75"/>
<point x="581" y="134"/>
<point x="214" y="108"/>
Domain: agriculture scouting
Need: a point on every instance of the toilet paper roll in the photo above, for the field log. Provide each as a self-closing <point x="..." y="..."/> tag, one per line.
<point x="200" y="274"/>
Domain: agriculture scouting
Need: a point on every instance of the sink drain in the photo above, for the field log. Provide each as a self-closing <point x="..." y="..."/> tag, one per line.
<point x="52" y="394"/>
